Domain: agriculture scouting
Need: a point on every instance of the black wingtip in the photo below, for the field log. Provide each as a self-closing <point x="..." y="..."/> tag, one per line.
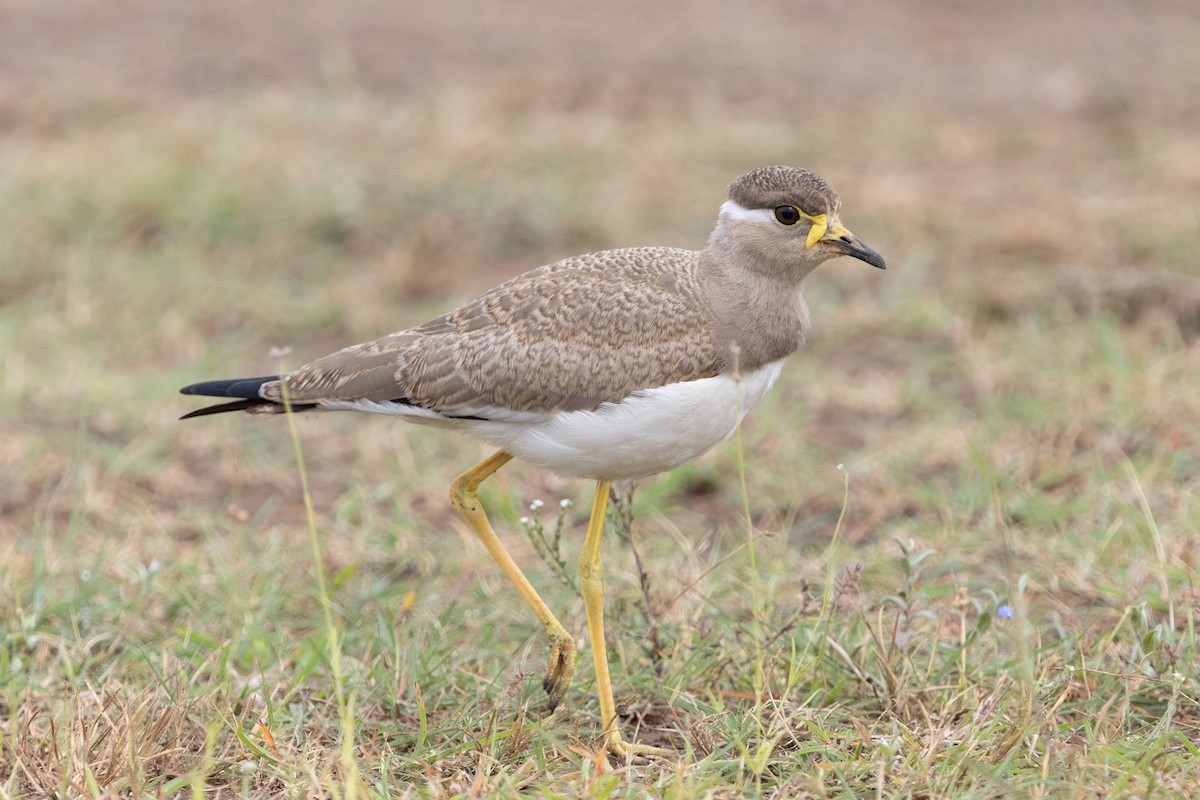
<point x="246" y="388"/>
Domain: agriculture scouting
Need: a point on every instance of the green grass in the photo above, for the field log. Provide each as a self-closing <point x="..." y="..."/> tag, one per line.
<point x="1014" y="412"/>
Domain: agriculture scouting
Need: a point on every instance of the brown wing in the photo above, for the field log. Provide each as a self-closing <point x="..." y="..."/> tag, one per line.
<point x="567" y="336"/>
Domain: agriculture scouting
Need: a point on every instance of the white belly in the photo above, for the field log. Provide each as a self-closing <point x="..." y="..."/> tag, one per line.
<point x="649" y="432"/>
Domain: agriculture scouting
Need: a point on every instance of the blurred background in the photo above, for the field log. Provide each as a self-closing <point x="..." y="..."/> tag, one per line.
<point x="186" y="187"/>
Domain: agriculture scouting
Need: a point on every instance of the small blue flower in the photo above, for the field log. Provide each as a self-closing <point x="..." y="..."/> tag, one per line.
<point x="1004" y="612"/>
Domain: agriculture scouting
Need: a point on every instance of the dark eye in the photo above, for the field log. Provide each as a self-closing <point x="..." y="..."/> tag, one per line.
<point x="787" y="215"/>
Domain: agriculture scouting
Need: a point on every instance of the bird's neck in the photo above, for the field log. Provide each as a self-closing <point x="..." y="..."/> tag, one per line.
<point x="758" y="317"/>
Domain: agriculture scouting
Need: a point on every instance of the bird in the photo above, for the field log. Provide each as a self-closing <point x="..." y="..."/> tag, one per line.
<point x="609" y="366"/>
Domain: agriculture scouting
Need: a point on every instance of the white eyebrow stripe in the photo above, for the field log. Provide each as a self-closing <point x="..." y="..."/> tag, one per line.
<point x="737" y="211"/>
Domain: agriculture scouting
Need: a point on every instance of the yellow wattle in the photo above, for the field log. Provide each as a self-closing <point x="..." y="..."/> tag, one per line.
<point x="820" y="224"/>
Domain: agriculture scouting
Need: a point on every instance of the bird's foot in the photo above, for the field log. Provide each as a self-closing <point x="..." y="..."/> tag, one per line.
<point x="561" y="667"/>
<point x="621" y="750"/>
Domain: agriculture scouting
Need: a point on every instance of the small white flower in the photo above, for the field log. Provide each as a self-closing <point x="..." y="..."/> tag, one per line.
<point x="535" y="505"/>
<point x="564" y="503"/>
<point x="523" y="521"/>
<point x="1070" y="668"/>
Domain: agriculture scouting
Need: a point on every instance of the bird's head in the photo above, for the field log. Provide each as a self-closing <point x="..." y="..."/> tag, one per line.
<point x="784" y="220"/>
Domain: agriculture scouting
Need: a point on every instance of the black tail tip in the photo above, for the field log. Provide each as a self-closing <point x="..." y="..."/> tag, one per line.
<point x="221" y="408"/>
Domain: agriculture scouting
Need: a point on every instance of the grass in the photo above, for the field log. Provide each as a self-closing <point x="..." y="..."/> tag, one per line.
<point x="1013" y="408"/>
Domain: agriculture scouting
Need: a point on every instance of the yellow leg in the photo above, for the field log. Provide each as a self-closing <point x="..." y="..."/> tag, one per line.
<point x="591" y="583"/>
<point x="562" y="646"/>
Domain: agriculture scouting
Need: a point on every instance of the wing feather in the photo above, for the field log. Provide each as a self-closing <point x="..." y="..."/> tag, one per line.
<point x="568" y="336"/>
